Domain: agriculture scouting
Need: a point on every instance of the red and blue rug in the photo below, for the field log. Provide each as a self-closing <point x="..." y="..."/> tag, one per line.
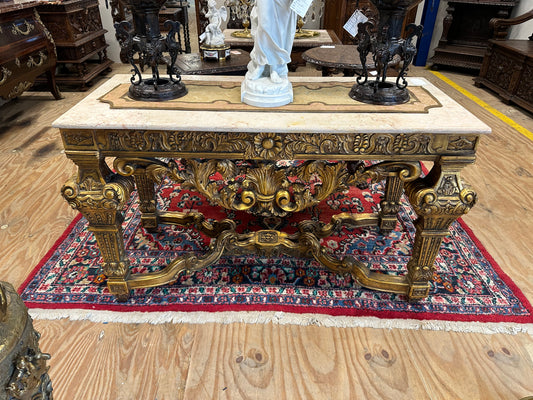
<point x="468" y="285"/>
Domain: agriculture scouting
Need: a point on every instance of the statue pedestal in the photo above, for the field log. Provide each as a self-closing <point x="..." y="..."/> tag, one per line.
<point x="263" y="92"/>
<point x="215" y="53"/>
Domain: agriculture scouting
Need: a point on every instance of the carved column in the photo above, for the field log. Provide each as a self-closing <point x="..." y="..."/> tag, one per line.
<point x="390" y="205"/>
<point x="100" y="196"/>
<point x="438" y="199"/>
<point x="146" y="190"/>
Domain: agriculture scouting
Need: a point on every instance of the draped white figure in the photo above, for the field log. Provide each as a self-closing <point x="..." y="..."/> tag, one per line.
<point x="273" y="27"/>
<point x="266" y="83"/>
<point x="213" y="35"/>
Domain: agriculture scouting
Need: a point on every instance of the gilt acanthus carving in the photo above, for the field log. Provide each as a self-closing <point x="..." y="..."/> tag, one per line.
<point x="281" y="146"/>
<point x="92" y="197"/>
<point x="266" y="188"/>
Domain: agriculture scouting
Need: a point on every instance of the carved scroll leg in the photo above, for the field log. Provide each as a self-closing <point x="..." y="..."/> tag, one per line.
<point x="100" y="196"/>
<point x="51" y="78"/>
<point x="390" y="205"/>
<point x="146" y="190"/>
<point x="438" y="199"/>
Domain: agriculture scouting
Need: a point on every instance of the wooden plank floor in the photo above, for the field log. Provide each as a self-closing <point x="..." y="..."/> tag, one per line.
<point x="240" y="361"/>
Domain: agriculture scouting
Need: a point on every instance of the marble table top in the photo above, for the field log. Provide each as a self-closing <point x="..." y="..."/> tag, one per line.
<point x="13" y="5"/>
<point x="449" y="118"/>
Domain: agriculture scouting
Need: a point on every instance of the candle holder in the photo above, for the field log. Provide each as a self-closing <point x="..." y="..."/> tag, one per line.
<point x="240" y="10"/>
<point x="386" y="47"/>
<point x="144" y="46"/>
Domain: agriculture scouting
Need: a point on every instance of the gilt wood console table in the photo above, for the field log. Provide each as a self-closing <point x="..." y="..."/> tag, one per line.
<point x="211" y="130"/>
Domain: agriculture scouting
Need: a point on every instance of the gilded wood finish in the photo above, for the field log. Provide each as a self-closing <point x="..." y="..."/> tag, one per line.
<point x="439" y="199"/>
<point x="200" y="361"/>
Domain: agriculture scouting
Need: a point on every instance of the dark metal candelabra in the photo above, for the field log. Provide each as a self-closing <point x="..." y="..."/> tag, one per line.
<point x="386" y="47"/>
<point x="146" y="42"/>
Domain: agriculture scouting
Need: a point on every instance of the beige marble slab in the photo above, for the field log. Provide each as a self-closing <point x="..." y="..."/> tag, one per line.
<point x="451" y="118"/>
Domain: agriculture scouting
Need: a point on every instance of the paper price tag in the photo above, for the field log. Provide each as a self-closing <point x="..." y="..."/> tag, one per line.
<point x="300" y="7"/>
<point x="351" y="25"/>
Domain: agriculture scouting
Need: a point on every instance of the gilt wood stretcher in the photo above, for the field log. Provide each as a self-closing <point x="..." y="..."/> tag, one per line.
<point x="212" y="135"/>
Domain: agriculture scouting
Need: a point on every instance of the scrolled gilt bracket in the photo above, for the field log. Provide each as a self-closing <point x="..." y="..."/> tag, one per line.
<point x="362" y="175"/>
<point x="261" y="188"/>
<point x="91" y="199"/>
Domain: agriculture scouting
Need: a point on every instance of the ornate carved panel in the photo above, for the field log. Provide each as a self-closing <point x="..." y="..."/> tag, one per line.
<point x="275" y="146"/>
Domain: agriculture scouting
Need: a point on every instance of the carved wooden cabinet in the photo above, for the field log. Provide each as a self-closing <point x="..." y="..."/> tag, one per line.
<point x="508" y="70"/>
<point x="76" y="27"/>
<point x="466" y="31"/>
<point x="508" y="64"/>
<point x="26" y="50"/>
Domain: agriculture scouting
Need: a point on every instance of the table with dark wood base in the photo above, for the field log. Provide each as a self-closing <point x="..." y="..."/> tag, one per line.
<point x="324" y="37"/>
<point x="342" y="58"/>
<point x="194" y="64"/>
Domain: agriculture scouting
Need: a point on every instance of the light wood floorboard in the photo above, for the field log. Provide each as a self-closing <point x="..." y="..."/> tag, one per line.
<point x="239" y="361"/>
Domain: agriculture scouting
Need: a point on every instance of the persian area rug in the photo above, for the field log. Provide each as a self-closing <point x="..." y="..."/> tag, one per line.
<point x="468" y="285"/>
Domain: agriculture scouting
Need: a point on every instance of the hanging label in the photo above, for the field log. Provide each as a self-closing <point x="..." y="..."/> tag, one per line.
<point x="351" y="25"/>
<point x="300" y="7"/>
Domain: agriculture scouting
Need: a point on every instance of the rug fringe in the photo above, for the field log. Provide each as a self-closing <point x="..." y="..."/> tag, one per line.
<point x="280" y="318"/>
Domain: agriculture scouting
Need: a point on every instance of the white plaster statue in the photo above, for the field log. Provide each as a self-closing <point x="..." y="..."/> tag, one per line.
<point x="266" y="83"/>
<point x="213" y="35"/>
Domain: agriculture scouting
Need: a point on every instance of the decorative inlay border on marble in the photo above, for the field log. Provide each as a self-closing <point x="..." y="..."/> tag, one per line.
<point x="308" y="97"/>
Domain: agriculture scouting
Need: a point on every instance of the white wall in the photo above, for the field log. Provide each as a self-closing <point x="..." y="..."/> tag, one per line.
<point x="522" y="31"/>
<point x="113" y="51"/>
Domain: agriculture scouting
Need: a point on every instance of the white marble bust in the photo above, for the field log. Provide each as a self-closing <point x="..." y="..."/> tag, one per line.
<point x="266" y="83"/>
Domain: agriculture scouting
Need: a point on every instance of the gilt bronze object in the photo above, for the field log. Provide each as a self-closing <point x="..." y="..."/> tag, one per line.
<point x="144" y="47"/>
<point x="386" y="47"/>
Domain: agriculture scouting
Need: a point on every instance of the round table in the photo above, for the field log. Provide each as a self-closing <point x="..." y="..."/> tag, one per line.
<point x="343" y="58"/>
<point x="332" y="59"/>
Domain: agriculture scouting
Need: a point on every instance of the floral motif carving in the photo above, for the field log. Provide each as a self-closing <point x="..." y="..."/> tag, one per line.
<point x="279" y="146"/>
<point x="268" y="145"/>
